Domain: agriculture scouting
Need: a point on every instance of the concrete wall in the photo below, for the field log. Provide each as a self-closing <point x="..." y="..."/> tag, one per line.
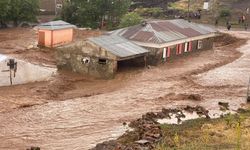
<point x="156" y="55"/>
<point x="44" y="41"/>
<point x="61" y="37"/>
<point x="55" y="38"/>
<point x="26" y="72"/>
<point x="72" y="57"/>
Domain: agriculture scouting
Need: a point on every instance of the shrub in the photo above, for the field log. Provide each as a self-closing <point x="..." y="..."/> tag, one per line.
<point x="130" y="19"/>
<point x="225" y="13"/>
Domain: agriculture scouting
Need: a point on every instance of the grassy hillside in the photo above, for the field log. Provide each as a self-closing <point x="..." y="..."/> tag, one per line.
<point x="229" y="132"/>
<point x="236" y="8"/>
<point x="183" y="5"/>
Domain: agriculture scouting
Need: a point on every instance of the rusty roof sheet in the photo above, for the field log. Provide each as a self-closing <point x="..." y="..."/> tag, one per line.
<point x="163" y="31"/>
<point x="118" y="45"/>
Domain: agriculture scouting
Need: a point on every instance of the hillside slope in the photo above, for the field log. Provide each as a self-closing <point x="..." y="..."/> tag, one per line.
<point x="236" y="8"/>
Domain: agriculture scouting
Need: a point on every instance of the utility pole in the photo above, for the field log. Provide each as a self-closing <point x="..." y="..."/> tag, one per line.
<point x="55" y="8"/>
<point x="188" y="10"/>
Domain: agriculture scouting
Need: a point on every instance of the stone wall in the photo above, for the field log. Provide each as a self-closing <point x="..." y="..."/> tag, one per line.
<point x="86" y="58"/>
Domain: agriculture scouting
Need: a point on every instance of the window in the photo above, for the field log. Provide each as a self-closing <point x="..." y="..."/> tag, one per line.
<point x="200" y="45"/>
<point x="102" y="61"/>
<point x="179" y="49"/>
<point x="190" y="46"/>
<point x="186" y="49"/>
<point x="169" y="52"/>
<point x="164" y="53"/>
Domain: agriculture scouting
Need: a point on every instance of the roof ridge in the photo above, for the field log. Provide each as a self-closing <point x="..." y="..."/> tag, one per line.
<point x="155" y="33"/>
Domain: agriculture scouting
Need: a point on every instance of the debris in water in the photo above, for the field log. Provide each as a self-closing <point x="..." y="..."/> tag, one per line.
<point x="33" y="148"/>
<point x="223" y="106"/>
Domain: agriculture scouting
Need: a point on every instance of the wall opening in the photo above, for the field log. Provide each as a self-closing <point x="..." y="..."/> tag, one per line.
<point x="102" y="61"/>
<point x="200" y="45"/>
<point x="131" y="64"/>
<point x="85" y="60"/>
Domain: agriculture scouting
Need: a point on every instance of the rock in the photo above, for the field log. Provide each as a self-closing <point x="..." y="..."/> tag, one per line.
<point x="142" y="142"/>
<point x="214" y="133"/>
<point x="108" y="145"/>
<point x="189" y="109"/>
<point x="224" y="105"/>
<point x="202" y="111"/>
<point x="150" y="116"/>
<point x="161" y="115"/>
<point x="195" y="97"/>
<point x="33" y="148"/>
<point x="241" y="110"/>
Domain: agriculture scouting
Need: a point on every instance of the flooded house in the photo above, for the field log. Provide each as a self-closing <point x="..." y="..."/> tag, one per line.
<point x="149" y="43"/>
<point x="100" y="56"/>
<point x="55" y="33"/>
<point x="168" y="39"/>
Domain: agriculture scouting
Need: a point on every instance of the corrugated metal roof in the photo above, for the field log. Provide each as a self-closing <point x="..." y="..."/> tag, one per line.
<point x="56" y="25"/>
<point x="118" y="46"/>
<point x="163" y="31"/>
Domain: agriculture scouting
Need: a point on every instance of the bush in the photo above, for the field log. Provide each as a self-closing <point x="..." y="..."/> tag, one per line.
<point x="225" y="13"/>
<point x="151" y="12"/>
<point x="130" y="19"/>
<point x="94" y="13"/>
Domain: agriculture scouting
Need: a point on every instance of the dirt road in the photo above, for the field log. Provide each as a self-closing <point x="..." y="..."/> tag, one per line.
<point x="80" y="123"/>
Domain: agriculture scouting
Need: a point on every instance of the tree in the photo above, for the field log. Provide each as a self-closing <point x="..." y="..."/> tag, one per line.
<point x="94" y="13"/>
<point x="225" y="13"/>
<point x="3" y="12"/>
<point x="130" y="19"/>
<point x="18" y="10"/>
<point x="23" y="10"/>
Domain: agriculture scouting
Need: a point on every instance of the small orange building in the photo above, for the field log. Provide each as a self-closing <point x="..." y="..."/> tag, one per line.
<point x="55" y="33"/>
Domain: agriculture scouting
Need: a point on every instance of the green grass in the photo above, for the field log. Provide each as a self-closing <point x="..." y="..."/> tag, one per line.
<point x="230" y="132"/>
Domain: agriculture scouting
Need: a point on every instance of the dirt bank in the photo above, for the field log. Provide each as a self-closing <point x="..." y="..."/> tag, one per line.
<point x="149" y="133"/>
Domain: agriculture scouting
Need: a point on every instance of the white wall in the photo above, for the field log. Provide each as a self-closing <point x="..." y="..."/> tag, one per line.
<point x="26" y="72"/>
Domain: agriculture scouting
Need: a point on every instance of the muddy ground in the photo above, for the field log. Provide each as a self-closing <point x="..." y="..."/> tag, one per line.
<point x="75" y="112"/>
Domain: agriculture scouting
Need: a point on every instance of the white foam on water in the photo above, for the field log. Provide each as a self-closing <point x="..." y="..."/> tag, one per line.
<point x="2" y="57"/>
<point x="190" y="116"/>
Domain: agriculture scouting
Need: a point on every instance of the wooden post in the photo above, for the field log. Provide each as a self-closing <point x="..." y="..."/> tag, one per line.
<point x="145" y="61"/>
<point x="189" y="11"/>
<point x="248" y="96"/>
<point x="10" y="77"/>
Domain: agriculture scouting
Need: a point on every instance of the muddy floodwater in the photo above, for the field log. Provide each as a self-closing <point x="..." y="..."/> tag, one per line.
<point x="219" y="75"/>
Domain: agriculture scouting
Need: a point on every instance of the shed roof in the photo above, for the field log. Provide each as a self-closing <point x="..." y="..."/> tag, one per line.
<point x="163" y="31"/>
<point x="118" y="46"/>
<point x="56" y="25"/>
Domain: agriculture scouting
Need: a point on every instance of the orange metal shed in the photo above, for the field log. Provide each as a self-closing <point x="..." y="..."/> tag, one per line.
<point x="55" y="33"/>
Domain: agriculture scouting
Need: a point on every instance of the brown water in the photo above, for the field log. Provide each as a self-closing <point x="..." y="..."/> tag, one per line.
<point x="80" y="123"/>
